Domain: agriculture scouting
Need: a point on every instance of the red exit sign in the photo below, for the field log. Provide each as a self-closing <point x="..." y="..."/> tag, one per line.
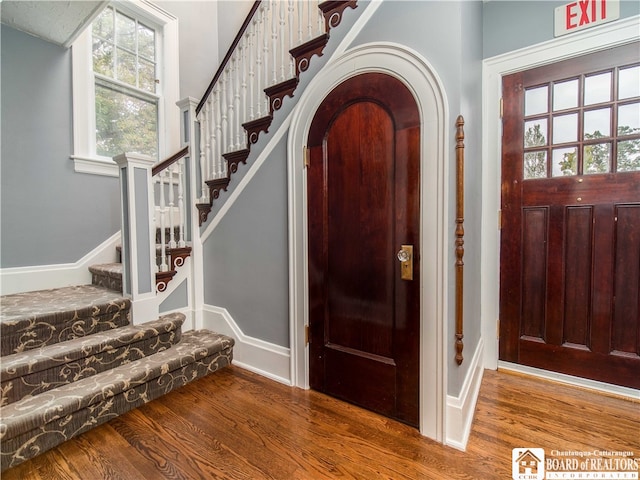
<point x="582" y="14"/>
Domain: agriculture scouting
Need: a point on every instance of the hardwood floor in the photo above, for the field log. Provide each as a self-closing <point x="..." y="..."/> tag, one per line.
<point x="237" y="425"/>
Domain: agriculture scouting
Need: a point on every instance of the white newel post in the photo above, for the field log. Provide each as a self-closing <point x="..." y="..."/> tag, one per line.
<point x="138" y="236"/>
<point x="189" y="129"/>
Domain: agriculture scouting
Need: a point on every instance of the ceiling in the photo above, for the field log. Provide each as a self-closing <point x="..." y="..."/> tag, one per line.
<point x="58" y="22"/>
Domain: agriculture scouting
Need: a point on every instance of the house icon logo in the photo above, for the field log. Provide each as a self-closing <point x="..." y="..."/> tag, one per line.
<point x="527" y="463"/>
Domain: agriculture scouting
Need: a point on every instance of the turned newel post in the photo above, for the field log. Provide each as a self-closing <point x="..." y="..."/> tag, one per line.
<point x="459" y="235"/>
<point x="138" y="236"/>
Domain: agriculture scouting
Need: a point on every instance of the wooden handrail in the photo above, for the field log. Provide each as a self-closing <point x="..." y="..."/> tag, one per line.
<point x="158" y="167"/>
<point x="459" y="236"/>
<point x="227" y="57"/>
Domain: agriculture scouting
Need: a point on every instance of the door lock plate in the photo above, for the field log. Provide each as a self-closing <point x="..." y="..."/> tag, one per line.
<point x="405" y="256"/>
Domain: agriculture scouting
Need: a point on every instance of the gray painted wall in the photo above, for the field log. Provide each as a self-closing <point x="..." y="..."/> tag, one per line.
<point x="510" y="25"/>
<point x="49" y="214"/>
<point x="197" y="30"/>
<point x="246" y="267"/>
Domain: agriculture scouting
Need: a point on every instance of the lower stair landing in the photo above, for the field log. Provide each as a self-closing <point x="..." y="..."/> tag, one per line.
<point x="66" y="371"/>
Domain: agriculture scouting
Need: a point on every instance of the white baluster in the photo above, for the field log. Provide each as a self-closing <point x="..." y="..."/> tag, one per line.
<point x="207" y="139"/>
<point x="218" y="115"/>
<point x="283" y="51"/>
<point x="258" y="50"/>
<point x="230" y="112"/>
<point x="236" y="99"/>
<point x="172" y="225"/>
<point x="204" y="197"/>
<point x="243" y="78"/>
<point x="163" y="210"/>
<point x="321" y="26"/>
<point x="310" y="19"/>
<point x="252" y="75"/>
<point x="291" y="38"/>
<point x="211" y="164"/>
<point x="223" y="108"/>
<point x="274" y="42"/>
<point x="265" y="58"/>
<point x="300" y="21"/>
<point x="181" y="212"/>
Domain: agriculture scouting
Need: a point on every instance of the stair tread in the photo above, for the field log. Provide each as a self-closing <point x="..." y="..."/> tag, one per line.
<point x="36" y="360"/>
<point x="27" y="414"/>
<point x="110" y="269"/>
<point x="57" y="301"/>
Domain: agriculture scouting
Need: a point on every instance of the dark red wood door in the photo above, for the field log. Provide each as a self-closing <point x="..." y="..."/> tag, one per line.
<point x="363" y="205"/>
<point x="570" y="243"/>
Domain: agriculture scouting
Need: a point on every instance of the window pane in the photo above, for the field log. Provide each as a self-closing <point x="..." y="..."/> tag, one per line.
<point x="629" y="156"/>
<point x="535" y="133"/>
<point x="147" y="76"/>
<point x="126" y="67"/>
<point x="535" y="165"/>
<point x="565" y="95"/>
<point x="597" y="123"/>
<point x="125" y="32"/>
<point x="597" y="88"/>
<point x="536" y="100"/>
<point x="125" y="123"/>
<point x="629" y="119"/>
<point x="565" y="161"/>
<point x="629" y="83"/>
<point x="146" y="42"/>
<point x="103" y="25"/>
<point x="565" y="128"/>
<point x="597" y="158"/>
<point x="102" y="57"/>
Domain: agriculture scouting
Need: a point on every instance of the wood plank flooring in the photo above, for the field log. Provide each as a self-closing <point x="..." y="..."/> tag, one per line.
<point x="237" y="425"/>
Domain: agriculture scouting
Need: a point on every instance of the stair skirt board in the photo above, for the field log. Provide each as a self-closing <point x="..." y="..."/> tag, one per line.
<point x="40" y="277"/>
<point x="65" y="314"/>
<point x="264" y="358"/>
<point x="32" y="426"/>
<point x="37" y="371"/>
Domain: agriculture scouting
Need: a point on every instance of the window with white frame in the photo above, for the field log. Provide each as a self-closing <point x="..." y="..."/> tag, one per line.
<point x="124" y="100"/>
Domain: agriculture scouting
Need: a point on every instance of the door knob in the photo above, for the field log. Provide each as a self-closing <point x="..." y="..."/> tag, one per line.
<point x="405" y="256"/>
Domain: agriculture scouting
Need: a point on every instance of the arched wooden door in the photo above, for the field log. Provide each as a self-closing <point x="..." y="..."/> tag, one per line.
<point x="363" y="203"/>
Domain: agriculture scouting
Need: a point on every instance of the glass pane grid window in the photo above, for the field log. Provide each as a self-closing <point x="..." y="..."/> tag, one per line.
<point x="124" y="66"/>
<point x="583" y="125"/>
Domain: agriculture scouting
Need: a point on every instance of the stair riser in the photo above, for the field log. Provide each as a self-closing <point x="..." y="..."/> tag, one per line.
<point x="72" y="371"/>
<point x="107" y="281"/>
<point x="59" y="429"/>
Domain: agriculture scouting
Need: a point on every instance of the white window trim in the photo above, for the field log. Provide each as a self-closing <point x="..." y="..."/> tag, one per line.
<point x="84" y="148"/>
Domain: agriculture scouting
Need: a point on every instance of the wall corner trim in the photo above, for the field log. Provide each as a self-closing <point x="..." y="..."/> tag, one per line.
<point x="460" y="409"/>
<point x="264" y="358"/>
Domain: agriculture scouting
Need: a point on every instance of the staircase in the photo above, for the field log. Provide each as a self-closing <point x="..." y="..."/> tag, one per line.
<point x="73" y="357"/>
<point x="71" y="361"/>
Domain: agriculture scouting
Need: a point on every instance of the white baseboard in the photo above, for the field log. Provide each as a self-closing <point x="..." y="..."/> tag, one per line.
<point x="460" y="409"/>
<point x="264" y="358"/>
<point x="41" y="277"/>
<point x="606" y="388"/>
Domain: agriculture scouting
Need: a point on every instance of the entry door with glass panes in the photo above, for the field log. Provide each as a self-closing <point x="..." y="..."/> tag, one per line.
<point x="570" y="239"/>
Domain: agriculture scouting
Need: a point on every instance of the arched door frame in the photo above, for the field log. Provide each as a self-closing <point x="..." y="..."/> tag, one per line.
<point x="417" y="74"/>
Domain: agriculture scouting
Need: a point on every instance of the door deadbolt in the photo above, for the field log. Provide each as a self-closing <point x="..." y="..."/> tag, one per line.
<point x="405" y="256"/>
